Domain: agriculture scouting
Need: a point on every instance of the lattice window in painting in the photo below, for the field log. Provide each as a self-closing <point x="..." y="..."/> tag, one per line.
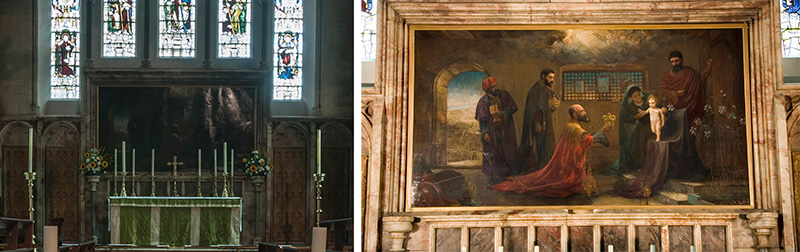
<point x="65" y="49"/>
<point x="176" y="28"/>
<point x="119" y="28"/>
<point x="368" y="21"/>
<point x="288" y="74"/>
<point x="598" y="85"/>
<point x="234" y="29"/>
<point x="790" y="28"/>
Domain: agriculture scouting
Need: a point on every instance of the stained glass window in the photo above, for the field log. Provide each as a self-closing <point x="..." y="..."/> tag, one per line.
<point x="790" y="28"/>
<point x="598" y="85"/>
<point x="176" y="26"/>
<point x="369" y="24"/>
<point x="288" y="74"/>
<point x="119" y="28"/>
<point x="65" y="49"/>
<point x="234" y="29"/>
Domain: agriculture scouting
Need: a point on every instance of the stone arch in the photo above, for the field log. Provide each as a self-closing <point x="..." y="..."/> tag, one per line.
<point x="793" y="128"/>
<point x="440" y="84"/>
<point x="14" y="161"/>
<point x="61" y="154"/>
<point x="290" y="186"/>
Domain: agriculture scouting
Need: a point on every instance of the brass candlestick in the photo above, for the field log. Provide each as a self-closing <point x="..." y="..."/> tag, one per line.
<point x="225" y="184"/>
<point x="124" y="193"/>
<point x="215" y="186"/>
<point x="199" y="191"/>
<point x="152" y="185"/>
<point x="133" y="186"/>
<point x="231" y="192"/>
<point x="30" y="177"/>
<point x="116" y="189"/>
<point x="318" y="178"/>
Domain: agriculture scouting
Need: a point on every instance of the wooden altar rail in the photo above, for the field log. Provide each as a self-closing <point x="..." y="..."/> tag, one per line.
<point x="12" y="227"/>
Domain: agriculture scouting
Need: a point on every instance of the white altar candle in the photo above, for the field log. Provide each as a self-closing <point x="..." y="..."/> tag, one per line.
<point x="536" y="248"/>
<point x="115" y="161"/>
<point x="693" y="249"/>
<point x="30" y="150"/>
<point x="199" y="156"/>
<point x="652" y="248"/>
<point x="319" y="151"/>
<point x="225" y="158"/>
<point x="133" y="166"/>
<point x="232" y="158"/>
<point x="123" y="157"/>
<point x="215" y="162"/>
<point x="610" y="248"/>
<point x="152" y="162"/>
<point x="500" y="249"/>
<point x="463" y="248"/>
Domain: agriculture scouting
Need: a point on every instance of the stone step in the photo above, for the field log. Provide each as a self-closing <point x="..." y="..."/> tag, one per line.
<point x="671" y="198"/>
<point x="707" y="190"/>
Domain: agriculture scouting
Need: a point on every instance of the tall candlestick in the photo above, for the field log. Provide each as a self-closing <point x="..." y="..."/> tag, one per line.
<point x="319" y="151"/>
<point x="199" y="156"/>
<point x="215" y="163"/>
<point x="123" y="158"/>
<point x="225" y="158"/>
<point x="152" y="162"/>
<point x="30" y="149"/>
<point x="133" y="166"/>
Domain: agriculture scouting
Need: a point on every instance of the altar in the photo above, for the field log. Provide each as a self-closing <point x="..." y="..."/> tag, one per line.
<point x="176" y="221"/>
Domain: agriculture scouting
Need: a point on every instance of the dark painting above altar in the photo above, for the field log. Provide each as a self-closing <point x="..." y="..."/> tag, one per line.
<point x="176" y="121"/>
<point x="614" y="116"/>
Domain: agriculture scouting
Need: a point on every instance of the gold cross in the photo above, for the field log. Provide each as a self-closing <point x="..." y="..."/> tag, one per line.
<point x="175" y="165"/>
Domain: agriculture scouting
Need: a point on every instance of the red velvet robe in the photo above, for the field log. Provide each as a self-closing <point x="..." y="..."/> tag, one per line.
<point x="695" y="97"/>
<point x="563" y="176"/>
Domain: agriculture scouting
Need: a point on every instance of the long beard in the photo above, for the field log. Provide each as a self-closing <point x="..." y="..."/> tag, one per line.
<point x="677" y="68"/>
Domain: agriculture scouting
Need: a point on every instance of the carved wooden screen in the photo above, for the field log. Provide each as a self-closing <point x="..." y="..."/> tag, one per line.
<point x="61" y="192"/>
<point x="15" y="188"/>
<point x="289" y="195"/>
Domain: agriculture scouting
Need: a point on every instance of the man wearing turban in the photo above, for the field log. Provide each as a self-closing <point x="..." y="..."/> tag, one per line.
<point x="495" y="114"/>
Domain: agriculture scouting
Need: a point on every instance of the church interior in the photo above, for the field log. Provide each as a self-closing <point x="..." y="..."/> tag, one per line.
<point x="156" y="125"/>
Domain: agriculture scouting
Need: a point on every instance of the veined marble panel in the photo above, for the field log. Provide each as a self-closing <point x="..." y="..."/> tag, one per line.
<point x="681" y="238"/>
<point x="515" y="239"/>
<point x="481" y="239"/>
<point x="614" y="235"/>
<point x="713" y="238"/>
<point x="646" y="236"/>
<point x="448" y="239"/>
<point x="581" y="239"/>
<point x="548" y="239"/>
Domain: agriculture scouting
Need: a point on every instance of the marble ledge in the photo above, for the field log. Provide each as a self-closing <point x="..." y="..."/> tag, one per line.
<point x="603" y="215"/>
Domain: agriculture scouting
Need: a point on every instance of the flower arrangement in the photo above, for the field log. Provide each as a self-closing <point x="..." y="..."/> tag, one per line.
<point x="94" y="161"/>
<point x="256" y="163"/>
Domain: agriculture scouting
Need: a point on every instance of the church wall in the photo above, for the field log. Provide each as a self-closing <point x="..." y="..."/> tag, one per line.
<point x="16" y="55"/>
<point x="336" y="59"/>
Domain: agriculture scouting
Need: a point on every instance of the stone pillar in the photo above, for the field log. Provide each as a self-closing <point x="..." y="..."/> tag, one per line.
<point x="397" y="227"/>
<point x="762" y="224"/>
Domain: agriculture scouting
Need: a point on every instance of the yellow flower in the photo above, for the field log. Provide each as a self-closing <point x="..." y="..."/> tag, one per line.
<point x="244" y="160"/>
<point x="270" y="167"/>
<point x="261" y="163"/>
<point x="92" y="165"/>
<point x="105" y="164"/>
<point x="253" y="168"/>
<point x="86" y="154"/>
<point x="99" y="158"/>
<point x="83" y="166"/>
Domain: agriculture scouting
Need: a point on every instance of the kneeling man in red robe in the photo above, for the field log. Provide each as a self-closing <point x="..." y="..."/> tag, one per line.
<point x="563" y="176"/>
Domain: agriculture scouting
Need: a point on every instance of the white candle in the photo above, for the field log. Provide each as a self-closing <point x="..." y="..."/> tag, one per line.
<point x="152" y="162"/>
<point x="215" y="162"/>
<point x="123" y="157"/>
<point x="199" y="156"/>
<point x="652" y="248"/>
<point x="319" y="151"/>
<point x="30" y="150"/>
<point x="500" y="249"/>
<point x="693" y="249"/>
<point x="463" y="248"/>
<point x="115" y="161"/>
<point x="232" y="158"/>
<point x="133" y="166"/>
<point x="610" y="248"/>
<point x="225" y="158"/>
<point x="536" y="248"/>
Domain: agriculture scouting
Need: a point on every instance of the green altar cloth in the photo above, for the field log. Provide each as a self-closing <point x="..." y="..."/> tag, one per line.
<point x="176" y="221"/>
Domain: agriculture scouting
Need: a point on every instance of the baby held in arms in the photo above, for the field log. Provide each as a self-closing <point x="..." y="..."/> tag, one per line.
<point x="656" y="116"/>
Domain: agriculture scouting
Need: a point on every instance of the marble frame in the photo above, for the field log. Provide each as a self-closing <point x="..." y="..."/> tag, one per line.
<point x="410" y="75"/>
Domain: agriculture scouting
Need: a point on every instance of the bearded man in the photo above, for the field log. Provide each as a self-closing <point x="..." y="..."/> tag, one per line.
<point x="538" y="141"/>
<point x="495" y="115"/>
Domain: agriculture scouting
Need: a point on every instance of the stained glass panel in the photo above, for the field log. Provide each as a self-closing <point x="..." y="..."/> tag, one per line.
<point x="369" y="24"/>
<point x="598" y="85"/>
<point x="234" y="29"/>
<point x="65" y="49"/>
<point x="288" y="75"/>
<point x="176" y="26"/>
<point x="790" y="28"/>
<point x="119" y="28"/>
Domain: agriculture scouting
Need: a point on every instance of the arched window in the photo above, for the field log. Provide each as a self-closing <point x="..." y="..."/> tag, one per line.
<point x="369" y="25"/>
<point x="176" y="29"/>
<point x="288" y="50"/>
<point x="65" y="28"/>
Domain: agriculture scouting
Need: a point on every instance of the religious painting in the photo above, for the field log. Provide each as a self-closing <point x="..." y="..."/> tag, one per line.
<point x="176" y="121"/>
<point x="579" y="117"/>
